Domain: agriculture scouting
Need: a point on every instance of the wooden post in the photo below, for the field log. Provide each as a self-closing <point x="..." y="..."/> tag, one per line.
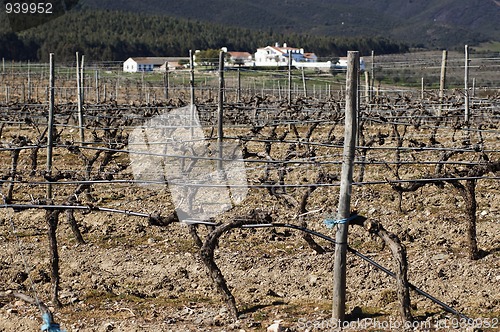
<point x="367" y="87"/>
<point x="238" y="94"/>
<point x="97" y="96"/>
<point x="191" y="84"/>
<point x="220" y="117"/>
<point x="339" y="269"/>
<point x="358" y="90"/>
<point x="50" y="131"/>
<point x="191" y="80"/>
<point x="466" y="83"/>
<point x="117" y="87"/>
<point x="372" y="84"/>
<point x="82" y="78"/>
<point x="422" y="89"/>
<point x="289" y="77"/>
<point x="442" y="81"/>
<point x="304" y="83"/>
<point x="166" y="81"/>
<point x="29" y="82"/>
<point x="79" y="95"/>
<point x="141" y="91"/>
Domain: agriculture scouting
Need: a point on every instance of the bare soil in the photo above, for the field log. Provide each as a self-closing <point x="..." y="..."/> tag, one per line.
<point x="130" y="276"/>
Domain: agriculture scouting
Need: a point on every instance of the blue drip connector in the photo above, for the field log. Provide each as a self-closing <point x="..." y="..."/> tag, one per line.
<point x="48" y="325"/>
<point x="330" y="223"/>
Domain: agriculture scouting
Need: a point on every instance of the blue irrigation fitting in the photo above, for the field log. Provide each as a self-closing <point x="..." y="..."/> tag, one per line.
<point x="330" y="223"/>
<point x="48" y="325"/>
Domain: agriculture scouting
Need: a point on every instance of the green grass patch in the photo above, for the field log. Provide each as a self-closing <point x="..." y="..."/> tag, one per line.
<point x="491" y="46"/>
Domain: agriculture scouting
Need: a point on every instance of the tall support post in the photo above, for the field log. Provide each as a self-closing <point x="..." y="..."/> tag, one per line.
<point x="117" y="86"/>
<point x="466" y="83"/>
<point x="143" y="89"/>
<point x="29" y="82"/>
<point x="191" y="85"/>
<point x="50" y="131"/>
<point x="367" y="88"/>
<point x="220" y="115"/>
<point x="97" y="92"/>
<point x="422" y="89"/>
<point x="191" y="77"/>
<point x="339" y="269"/>
<point x="442" y="81"/>
<point x="79" y="94"/>
<point x="238" y="94"/>
<point x="82" y="78"/>
<point x="78" y="78"/>
<point x="372" y="84"/>
<point x="289" y="77"/>
<point x="166" y="82"/>
<point x="304" y="86"/>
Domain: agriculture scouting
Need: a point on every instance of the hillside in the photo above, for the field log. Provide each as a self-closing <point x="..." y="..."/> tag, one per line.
<point x="104" y="35"/>
<point x="113" y="30"/>
<point x="434" y="24"/>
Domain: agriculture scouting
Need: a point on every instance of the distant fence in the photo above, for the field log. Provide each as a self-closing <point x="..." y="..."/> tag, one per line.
<point x="414" y="74"/>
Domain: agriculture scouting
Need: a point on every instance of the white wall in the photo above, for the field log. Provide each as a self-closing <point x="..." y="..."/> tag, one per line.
<point x="130" y="66"/>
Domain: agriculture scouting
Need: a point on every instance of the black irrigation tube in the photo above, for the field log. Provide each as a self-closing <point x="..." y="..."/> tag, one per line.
<point x="365" y="258"/>
<point x="268" y="225"/>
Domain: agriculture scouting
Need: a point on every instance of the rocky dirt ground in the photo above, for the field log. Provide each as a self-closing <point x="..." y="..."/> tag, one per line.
<point x="131" y="276"/>
<point x="134" y="277"/>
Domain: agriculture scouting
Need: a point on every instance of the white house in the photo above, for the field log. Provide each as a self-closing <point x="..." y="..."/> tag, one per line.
<point x="149" y="64"/>
<point x="278" y="55"/>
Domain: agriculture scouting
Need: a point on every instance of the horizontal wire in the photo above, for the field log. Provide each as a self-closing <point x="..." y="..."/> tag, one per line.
<point x="234" y="185"/>
<point x="268" y="225"/>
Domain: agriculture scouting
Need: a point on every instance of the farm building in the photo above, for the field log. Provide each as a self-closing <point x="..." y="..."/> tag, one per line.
<point x="342" y="64"/>
<point x="278" y="55"/>
<point x="149" y="64"/>
<point x="240" y="58"/>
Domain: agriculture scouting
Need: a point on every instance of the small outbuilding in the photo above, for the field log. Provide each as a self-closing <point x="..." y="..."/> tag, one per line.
<point x="240" y="58"/>
<point x="149" y="64"/>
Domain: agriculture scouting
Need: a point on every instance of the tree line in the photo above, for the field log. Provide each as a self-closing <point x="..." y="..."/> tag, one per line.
<point x="114" y="36"/>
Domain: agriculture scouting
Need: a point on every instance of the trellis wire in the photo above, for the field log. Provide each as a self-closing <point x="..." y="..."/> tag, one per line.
<point x="247" y="226"/>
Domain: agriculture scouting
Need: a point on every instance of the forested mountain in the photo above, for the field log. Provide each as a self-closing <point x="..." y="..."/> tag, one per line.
<point x="430" y="23"/>
<point x="112" y="30"/>
<point x="104" y="35"/>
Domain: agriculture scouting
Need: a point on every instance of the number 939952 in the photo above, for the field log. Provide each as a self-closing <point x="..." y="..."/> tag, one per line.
<point x="28" y="8"/>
